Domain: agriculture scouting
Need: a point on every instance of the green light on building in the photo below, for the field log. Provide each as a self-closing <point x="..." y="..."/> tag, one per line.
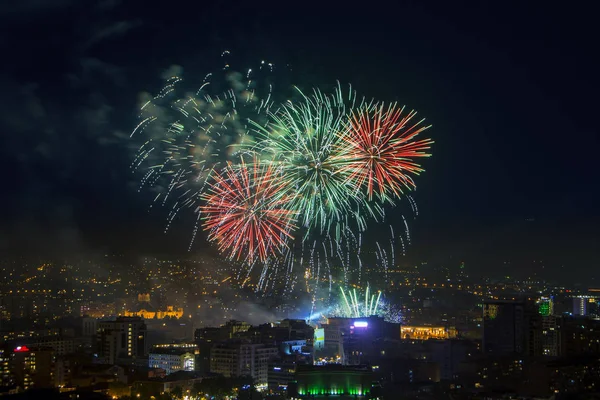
<point x="545" y="306"/>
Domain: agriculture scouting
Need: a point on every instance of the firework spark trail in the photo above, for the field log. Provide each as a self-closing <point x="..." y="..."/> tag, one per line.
<point x="392" y="250"/>
<point x="354" y="307"/>
<point x="301" y="138"/>
<point x="406" y="229"/>
<point x="187" y="136"/>
<point x="246" y="211"/>
<point x="378" y="149"/>
<point x="354" y="304"/>
<point x="343" y="158"/>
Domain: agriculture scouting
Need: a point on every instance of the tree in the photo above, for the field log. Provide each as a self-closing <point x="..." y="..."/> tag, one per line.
<point x="218" y="387"/>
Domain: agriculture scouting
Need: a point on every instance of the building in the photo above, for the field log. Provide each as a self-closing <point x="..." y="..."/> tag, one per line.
<point x="585" y="305"/>
<point x="359" y="338"/>
<point x="545" y="306"/>
<point x="319" y="340"/>
<point x="281" y="373"/>
<point x="33" y="367"/>
<point x="123" y="338"/>
<point x="427" y="332"/>
<point x="169" y="312"/>
<point x="504" y="327"/>
<point x="551" y="333"/>
<point x="238" y="358"/>
<point x="89" y="326"/>
<point x="448" y="354"/>
<point x="233" y="328"/>
<point x="159" y="386"/>
<point x="60" y="345"/>
<point x="294" y="347"/>
<point x="6" y="377"/>
<point x="327" y="380"/>
<point x="580" y="305"/>
<point x="579" y="337"/>
<point x="172" y="359"/>
<point x="145" y="309"/>
<point x="333" y="338"/>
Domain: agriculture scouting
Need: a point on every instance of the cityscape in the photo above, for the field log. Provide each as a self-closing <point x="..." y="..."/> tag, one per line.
<point x="174" y="332"/>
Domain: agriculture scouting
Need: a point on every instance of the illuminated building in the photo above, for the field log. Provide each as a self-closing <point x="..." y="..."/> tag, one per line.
<point x="170" y="312"/>
<point x="426" y="332"/>
<point x="33" y="367"/>
<point x="545" y="306"/>
<point x="6" y="378"/>
<point x="356" y="339"/>
<point x="233" y="327"/>
<point x="504" y="327"/>
<point x="586" y="305"/>
<point x="580" y="336"/>
<point x="332" y="330"/>
<point x="551" y="345"/>
<point x="144" y="297"/>
<point x="281" y="373"/>
<point x="124" y="337"/>
<point x="289" y="347"/>
<point x="351" y="340"/>
<point x="60" y="345"/>
<point x="146" y="310"/>
<point x="580" y="305"/>
<point x="325" y="381"/>
<point x="236" y="358"/>
<point x="319" y="340"/>
<point x="172" y="359"/>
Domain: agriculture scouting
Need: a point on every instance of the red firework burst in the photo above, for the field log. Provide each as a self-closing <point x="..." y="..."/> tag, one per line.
<point x="378" y="150"/>
<point x="245" y="211"/>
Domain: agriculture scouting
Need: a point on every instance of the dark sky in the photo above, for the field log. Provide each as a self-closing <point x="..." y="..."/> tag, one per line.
<point x="510" y="88"/>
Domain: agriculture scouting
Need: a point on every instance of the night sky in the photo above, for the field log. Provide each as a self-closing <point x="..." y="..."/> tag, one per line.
<point x="510" y="88"/>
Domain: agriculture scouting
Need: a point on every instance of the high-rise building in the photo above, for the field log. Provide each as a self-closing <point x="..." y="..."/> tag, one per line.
<point x="545" y="306"/>
<point x="551" y="342"/>
<point x="33" y="367"/>
<point x="123" y="338"/>
<point x="580" y="305"/>
<point x="586" y="305"/>
<point x="580" y="336"/>
<point x="237" y="358"/>
<point x="504" y="327"/>
<point x="6" y="377"/>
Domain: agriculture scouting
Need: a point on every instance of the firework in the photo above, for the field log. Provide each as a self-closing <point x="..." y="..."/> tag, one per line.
<point x="185" y="135"/>
<point x="304" y="139"/>
<point x="378" y="150"/>
<point x="324" y="167"/>
<point x="246" y="211"/>
<point x="353" y="307"/>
